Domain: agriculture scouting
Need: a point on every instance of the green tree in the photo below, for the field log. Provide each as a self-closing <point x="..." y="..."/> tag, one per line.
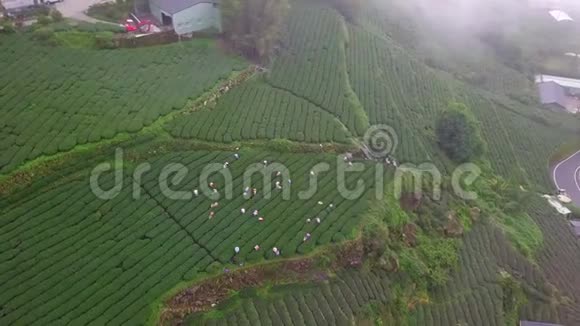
<point x="458" y="134"/>
<point x="254" y="26"/>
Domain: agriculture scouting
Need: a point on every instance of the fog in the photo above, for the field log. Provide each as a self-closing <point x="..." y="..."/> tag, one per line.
<point x="477" y="15"/>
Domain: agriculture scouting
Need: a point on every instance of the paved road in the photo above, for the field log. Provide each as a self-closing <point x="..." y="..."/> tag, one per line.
<point x="566" y="175"/>
<point x="76" y="9"/>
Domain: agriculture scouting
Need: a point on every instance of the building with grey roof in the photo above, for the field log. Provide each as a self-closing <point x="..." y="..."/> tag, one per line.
<point x="558" y="93"/>
<point x="187" y="16"/>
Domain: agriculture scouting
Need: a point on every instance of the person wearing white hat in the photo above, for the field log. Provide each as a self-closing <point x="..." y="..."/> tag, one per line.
<point x="237" y="250"/>
<point x="243" y="211"/>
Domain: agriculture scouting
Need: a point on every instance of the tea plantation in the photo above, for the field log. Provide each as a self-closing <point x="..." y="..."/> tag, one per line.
<point x="219" y="177"/>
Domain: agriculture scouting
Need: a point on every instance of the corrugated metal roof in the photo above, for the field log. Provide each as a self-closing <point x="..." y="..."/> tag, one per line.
<point x="174" y="6"/>
<point x="15" y="4"/>
<point x="563" y="81"/>
<point x="560" y="15"/>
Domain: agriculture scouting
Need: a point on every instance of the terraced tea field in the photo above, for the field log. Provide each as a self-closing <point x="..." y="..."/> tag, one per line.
<point x="53" y="99"/>
<point x="258" y="111"/>
<point x="121" y="255"/>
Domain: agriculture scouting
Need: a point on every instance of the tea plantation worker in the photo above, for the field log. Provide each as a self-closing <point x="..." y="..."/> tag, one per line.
<point x="226" y="164"/>
<point x="254" y="191"/>
<point x="237" y="156"/>
<point x="330" y="205"/>
<point x="306" y="237"/>
<point x="320" y="203"/>
<point x="265" y="162"/>
<point x="211" y="215"/>
<point x="261" y="219"/>
<point x="278" y="185"/>
<point x="308" y="220"/>
<point x="278" y="173"/>
<point x="256" y="247"/>
<point x="243" y="211"/>
<point x="195" y="192"/>
<point x="318" y="220"/>
<point x="237" y="250"/>
<point x="212" y="185"/>
<point x="312" y="172"/>
<point x="289" y="181"/>
<point x="276" y="251"/>
<point x="255" y="212"/>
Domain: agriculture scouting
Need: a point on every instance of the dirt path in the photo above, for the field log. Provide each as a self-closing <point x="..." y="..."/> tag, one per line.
<point x="75" y="9"/>
<point x="205" y="295"/>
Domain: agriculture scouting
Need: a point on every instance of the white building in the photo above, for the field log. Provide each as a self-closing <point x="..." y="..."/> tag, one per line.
<point x="187" y="16"/>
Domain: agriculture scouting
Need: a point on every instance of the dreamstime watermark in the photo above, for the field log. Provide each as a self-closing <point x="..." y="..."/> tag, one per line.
<point x="176" y="182"/>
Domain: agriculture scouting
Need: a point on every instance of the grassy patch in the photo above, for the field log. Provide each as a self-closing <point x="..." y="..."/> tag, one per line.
<point x="565" y="151"/>
<point x="114" y="11"/>
<point x="522" y="231"/>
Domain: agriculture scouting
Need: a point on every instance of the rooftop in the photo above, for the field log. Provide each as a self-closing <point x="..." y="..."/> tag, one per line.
<point x="560" y="15"/>
<point x="174" y="6"/>
<point x="562" y="81"/>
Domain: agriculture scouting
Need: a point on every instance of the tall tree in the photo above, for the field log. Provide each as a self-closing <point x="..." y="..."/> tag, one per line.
<point x="458" y="134"/>
<point x="254" y="26"/>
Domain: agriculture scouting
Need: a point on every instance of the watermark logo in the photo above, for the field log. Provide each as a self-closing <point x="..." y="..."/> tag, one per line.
<point x="381" y="141"/>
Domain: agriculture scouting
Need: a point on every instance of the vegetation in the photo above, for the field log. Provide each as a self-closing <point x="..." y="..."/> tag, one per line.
<point x="331" y="69"/>
<point x="113" y="11"/>
<point x="258" y="111"/>
<point x="458" y="134"/>
<point x="125" y="253"/>
<point x="315" y="41"/>
<point x="336" y="302"/>
<point x="111" y="94"/>
<point x="253" y="27"/>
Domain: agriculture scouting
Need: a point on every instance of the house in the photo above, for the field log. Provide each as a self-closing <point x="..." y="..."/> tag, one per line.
<point x="187" y="16"/>
<point x="559" y="93"/>
<point x="560" y="15"/>
<point x="16" y="5"/>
